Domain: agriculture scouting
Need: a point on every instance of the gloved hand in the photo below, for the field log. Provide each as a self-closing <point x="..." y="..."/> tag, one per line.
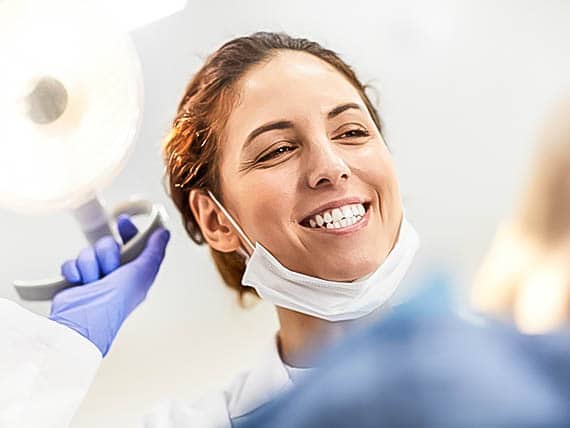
<point x="109" y="292"/>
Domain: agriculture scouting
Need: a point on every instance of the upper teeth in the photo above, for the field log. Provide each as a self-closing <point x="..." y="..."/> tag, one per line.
<point x="338" y="217"/>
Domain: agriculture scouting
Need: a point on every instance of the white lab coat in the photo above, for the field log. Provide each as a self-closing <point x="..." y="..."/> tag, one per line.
<point x="47" y="368"/>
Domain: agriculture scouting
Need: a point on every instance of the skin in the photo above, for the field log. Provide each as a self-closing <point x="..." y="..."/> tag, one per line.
<point x="317" y="160"/>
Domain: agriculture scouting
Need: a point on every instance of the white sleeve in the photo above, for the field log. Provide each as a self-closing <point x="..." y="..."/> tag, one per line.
<point x="45" y="369"/>
<point x="210" y="411"/>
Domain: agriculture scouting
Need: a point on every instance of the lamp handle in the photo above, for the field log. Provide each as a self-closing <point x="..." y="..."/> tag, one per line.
<point x="45" y="289"/>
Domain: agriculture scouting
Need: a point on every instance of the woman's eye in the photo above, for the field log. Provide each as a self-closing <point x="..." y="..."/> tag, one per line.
<point x="354" y="133"/>
<point x="275" y="153"/>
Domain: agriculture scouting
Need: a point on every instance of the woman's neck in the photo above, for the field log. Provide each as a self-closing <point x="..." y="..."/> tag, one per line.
<point x="302" y="337"/>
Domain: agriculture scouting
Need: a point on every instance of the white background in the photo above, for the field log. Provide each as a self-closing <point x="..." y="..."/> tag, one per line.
<point x="463" y="87"/>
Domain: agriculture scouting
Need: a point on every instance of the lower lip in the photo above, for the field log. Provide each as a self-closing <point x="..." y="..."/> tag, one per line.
<point x="348" y="229"/>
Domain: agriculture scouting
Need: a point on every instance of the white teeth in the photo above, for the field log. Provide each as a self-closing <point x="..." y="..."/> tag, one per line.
<point x="347" y="211"/>
<point x="319" y="220"/>
<point x="336" y="214"/>
<point x="338" y="217"/>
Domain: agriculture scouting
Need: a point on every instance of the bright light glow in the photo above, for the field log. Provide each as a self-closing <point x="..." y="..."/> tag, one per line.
<point x="132" y="14"/>
<point x="48" y="167"/>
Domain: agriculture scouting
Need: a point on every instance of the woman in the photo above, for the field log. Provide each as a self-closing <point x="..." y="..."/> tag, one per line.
<point x="275" y="160"/>
<point x="276" y="143"/>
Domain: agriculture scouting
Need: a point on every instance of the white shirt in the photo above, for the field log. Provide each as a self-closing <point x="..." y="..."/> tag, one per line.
<point x="46" y="369"/>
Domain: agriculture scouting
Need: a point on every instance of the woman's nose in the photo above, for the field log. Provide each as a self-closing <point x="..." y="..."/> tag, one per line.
<point x="326" y="166"/>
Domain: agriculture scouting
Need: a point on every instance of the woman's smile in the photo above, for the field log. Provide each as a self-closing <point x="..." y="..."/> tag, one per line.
<point x="342" y="220"/>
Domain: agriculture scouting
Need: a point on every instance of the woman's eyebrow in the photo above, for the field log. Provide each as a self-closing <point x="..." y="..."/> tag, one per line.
<point x="341" y="108"/>
<point x="280" y="124"/>
<point x="286" y="124"/>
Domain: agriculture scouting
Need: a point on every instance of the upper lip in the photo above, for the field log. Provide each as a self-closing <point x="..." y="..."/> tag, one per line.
<point x="332" y="205"/>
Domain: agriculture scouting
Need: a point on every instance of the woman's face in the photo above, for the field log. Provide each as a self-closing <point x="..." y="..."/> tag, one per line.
<point x="300" y="142"/>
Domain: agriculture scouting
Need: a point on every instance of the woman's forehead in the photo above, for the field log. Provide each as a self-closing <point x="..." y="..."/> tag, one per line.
<point x="291" y="83"/>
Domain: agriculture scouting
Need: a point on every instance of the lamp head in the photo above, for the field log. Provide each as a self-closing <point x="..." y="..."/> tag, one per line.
<point x="71" y="103"/>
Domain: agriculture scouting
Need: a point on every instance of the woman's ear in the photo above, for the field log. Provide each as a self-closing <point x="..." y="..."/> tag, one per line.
<point x="215" y="227"/>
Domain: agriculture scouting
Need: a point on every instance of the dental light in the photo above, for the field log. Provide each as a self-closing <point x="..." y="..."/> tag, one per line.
<point x="71" y="96"/>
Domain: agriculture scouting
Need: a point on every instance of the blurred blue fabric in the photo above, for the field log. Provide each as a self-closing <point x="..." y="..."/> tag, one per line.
<point x="431" y="368"/>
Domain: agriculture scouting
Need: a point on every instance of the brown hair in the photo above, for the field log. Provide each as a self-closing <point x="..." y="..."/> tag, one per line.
<point x="191" y="149"/>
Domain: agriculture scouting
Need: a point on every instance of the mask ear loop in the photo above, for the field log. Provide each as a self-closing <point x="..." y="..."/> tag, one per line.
<point x="235" y="225"/>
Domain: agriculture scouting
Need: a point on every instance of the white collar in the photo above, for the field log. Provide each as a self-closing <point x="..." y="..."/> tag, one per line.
<point x="268" y="378"/>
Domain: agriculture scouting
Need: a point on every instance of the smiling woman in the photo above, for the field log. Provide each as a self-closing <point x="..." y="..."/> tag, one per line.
<point x="281" y="77"/>
<point x="276" y="160"/>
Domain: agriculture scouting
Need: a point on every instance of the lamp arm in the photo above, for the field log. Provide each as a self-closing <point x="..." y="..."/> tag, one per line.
<point x="93" y="220"/>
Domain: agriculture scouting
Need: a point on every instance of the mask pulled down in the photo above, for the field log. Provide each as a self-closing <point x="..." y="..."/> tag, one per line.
<point x="321" y="298"/>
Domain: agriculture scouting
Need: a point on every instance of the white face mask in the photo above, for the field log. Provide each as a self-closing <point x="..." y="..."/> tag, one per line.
<point x="321" y="298"/>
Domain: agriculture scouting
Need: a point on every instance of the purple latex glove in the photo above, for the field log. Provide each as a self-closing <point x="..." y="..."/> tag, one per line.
<point x="107" y="292"/>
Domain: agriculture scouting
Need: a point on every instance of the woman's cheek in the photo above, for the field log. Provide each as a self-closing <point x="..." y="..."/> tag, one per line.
<point x="382" y="176"/>
<point x="372" y="167"/>
<point x="267" y="205"/>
